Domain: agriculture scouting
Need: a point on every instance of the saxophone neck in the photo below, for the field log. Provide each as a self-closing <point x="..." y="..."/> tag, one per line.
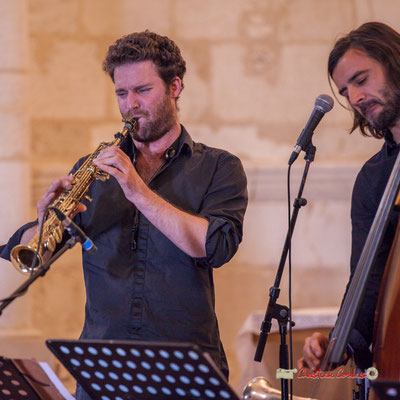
<point x="131" y="125"/>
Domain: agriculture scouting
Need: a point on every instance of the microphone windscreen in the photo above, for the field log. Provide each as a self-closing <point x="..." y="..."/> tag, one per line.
<point x="324" y="103"/>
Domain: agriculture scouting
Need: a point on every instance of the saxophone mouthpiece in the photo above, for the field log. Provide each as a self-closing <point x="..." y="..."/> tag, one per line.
<point x="131" y="125"/>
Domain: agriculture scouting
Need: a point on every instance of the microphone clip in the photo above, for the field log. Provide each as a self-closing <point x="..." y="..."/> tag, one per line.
<point x="75" y="231"/>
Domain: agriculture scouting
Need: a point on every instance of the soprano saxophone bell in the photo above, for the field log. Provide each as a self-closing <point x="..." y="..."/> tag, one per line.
<point x="259" y="388"/>
<point x="25" y="259"/>
<point x="28" y="258"/>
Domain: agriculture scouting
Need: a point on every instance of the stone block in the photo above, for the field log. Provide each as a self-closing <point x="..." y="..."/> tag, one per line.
<point x="194" y="101"/>
<point x="13" y="92"/>
<point x="363" y="12"/>
<point x="272" y="144"/>
<point x="272" y="95"/>
<point x="242" y="140"/>
<point x="335" y="144"/>
<point x="102" y="17"/>
<point x="208" y="19"/>
<point x="259" y="22"/>
<point x="268" y="182"/>
<point x="14" y="136"/>
<point x="60" y="141"/>
<point x="104" y="132"/>
<point x="16" y="318"/>
<point x="15" y="194"/>
<point x="67" y="80"/>
<point x="14" y="34"/>
<point x="385" y="11"/>
<point x="54" y="16"/>
<point x="42" y="175"/>
<point x="156" y="15"/>
<point x="112" y="103"/>
<point x="264" y="233"/>
<point x="322" y="228"/>
<point x="308" y="20"/>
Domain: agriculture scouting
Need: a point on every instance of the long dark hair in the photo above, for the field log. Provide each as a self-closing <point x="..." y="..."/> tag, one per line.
<point x="380" y="42"/>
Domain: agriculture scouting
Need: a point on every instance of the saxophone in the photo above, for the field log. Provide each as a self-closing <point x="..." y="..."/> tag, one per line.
<point x="27" y="258"/>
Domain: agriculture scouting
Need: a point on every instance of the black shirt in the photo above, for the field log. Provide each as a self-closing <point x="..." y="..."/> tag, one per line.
<point x="139" y="285"/>
<point x="367" y="193"/>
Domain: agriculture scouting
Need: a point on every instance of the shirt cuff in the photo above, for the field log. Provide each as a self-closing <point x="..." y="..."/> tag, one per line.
<point x="222" y="242"/>
<point x="14" y="240"/>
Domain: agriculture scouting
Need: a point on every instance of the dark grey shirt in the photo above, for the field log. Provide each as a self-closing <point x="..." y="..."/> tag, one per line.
<point x="139" y="285"/>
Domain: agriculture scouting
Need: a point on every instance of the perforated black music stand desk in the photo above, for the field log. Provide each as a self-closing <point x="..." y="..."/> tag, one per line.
<point x="130" y="370"/>
<point x="13" y="384"/>
<point x="24" y="379"/>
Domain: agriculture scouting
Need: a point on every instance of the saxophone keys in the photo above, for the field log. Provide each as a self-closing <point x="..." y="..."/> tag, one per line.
<point x="58" y="233"/>
<point x="101" y="175"/>
<point x="88" y="198"/>
<point x="51" y="243"/>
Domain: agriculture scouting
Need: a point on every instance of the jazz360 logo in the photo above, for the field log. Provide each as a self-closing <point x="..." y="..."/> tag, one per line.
<point x="282" y="373"/>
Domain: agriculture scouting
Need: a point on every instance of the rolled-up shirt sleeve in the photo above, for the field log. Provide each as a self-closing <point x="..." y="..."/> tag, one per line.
<point x="14" y="240"/>
<point x="224" y="207"/>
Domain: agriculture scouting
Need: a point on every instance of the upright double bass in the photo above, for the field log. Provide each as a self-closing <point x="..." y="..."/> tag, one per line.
<point x="386" y="343"/>
<point x="386" y="346"/>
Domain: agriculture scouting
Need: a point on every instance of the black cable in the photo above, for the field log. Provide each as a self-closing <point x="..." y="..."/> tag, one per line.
<point x="290" y="280"/>
<point x="31" y="378"/>
<point x="39" y="241"/>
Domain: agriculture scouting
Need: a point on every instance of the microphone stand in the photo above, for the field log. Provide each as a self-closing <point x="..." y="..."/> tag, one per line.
<point x="40" y="271"/>
<point x="274" y="310"/>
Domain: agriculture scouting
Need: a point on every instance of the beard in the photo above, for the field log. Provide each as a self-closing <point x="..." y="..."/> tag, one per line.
<point x="390" y="113"/>
<point x="155" y="125"/>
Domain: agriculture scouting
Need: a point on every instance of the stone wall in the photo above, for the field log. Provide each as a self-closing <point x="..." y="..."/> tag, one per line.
<point x="15" y="171"/>
<point x="254" y="70"/>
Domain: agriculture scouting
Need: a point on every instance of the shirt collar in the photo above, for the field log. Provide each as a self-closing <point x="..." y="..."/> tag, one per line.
<point x="183" y="143"/>
<point x="390" y="145"/>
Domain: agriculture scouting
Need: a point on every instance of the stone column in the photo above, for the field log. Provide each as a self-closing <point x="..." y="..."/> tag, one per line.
<point x="14" y="155"/>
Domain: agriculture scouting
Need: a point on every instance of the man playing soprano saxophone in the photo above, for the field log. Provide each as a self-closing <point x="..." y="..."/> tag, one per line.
<point x="171" y="212"/>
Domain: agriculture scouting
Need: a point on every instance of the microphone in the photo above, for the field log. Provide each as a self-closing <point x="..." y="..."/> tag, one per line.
<point x="323" y="104"/>
<point x="74" y="230"/>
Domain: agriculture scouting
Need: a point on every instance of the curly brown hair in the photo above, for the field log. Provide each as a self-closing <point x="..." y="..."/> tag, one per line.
<point x="380" y="42"/>
<point x="141" y="46"/>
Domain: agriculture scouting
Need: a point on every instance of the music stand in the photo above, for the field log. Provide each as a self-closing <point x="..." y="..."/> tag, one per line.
<point x="13" y="384"/>
<point x="130" y="370"/>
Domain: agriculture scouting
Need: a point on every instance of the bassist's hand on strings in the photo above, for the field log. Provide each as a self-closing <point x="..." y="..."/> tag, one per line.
<point x="314" y="351"/>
